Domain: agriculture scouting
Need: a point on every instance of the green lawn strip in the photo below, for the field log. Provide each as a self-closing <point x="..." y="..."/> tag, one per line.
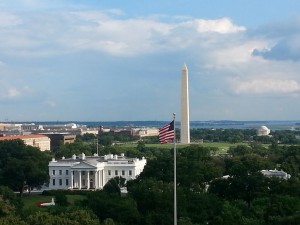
<point x="222" y="146"/>
<point x="73" y="198"/>
<point x="32" y="200"/>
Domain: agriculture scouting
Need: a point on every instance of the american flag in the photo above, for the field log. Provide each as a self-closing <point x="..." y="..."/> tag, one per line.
<point x="166" y="133"/>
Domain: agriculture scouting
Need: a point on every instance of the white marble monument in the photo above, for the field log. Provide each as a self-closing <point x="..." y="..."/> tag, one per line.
<point x="185" y="117"/>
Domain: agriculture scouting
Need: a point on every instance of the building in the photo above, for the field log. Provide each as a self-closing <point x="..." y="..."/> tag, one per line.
<point x="145" y="132"/>
<point x="263" y="131"/>
<point x="185" y="114"/>
<point x="276" y="173"/>
<point x="92" y="172"/>
<point x="60" y="138"/>
<point x="36" y="140"/>
<point x="10" y="129"/>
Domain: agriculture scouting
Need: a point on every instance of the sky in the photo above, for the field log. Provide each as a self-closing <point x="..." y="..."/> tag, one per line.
<point x="92" y="60"/>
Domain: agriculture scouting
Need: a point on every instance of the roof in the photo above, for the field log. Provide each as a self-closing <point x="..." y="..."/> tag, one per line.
<point x="14" y="137"/>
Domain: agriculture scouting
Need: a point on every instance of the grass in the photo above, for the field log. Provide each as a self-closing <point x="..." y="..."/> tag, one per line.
<point x="222" y="146"/>
<point x="30" y="201"/>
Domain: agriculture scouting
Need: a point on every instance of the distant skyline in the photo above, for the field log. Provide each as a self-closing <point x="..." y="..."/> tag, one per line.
<point x="67" y="60"/>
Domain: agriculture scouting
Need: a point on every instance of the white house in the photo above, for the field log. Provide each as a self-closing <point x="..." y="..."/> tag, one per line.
<point x="92" y="172"/>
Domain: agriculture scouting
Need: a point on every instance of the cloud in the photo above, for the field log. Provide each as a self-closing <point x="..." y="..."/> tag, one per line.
<point x="283" y="40"/>
<point x="51" y="103"/>
<point x="223" y="26"/>
<point x="13" y="92"/>
<point x="285" y="49"/>
<point x="9" y="19"/>
<point x="64" y="32"/>
<point x="83" y="53"/>
<point x="263" y="86"/>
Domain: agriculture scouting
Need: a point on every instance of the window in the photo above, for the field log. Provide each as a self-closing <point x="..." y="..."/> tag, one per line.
<point x="83" y="172"/>
<point x="116" y="172"/>
<point x="67" y="182"/>
<point x="60" y="172"/>
<point x="91" y="173"/>
<point x="130" y="172"/>
<point x="53" y="172"/>
<point x="53" y="182"/>
<point x="67" y="172"/>
<point x="123" y="172"/>
<point x="60" y="182"/>
<point x="109" y="172"/>
<point x="83" y="182"/>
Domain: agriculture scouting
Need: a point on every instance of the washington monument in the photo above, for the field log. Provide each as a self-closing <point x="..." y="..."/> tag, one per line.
<point x="185" y="114"/>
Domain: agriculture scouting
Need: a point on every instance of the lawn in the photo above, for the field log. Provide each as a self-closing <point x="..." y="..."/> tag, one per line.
<point x="222" y="146"/>
<point x="32" y="200"/>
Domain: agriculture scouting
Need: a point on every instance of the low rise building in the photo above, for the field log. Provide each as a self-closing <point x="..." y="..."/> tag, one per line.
<point x="60" y="138"/>
<point x="276" y="173"/>
<point x="35" y="140"/>
<point x="145" y="132"/>
<point x="92" y="172"/>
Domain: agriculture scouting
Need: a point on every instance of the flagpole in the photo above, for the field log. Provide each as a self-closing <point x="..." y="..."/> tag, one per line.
<point x="175" y="180"/>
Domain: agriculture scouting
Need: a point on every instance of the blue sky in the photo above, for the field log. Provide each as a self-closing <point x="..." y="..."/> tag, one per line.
<point x="121" y="60"/>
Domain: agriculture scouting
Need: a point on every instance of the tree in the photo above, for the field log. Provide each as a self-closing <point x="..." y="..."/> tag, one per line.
<point x="108" y="221"/>
<point x="154" y="200"/>
<point x="121" y="210"/>
<point x="196" y="167"/>
<point x="12" y="219"/>
<point x="114" y="185"/>
<point x="22" y="166"/>
<point x="61" y="199"/>
<point x="9" y="202"/>
<point x="141" y="146"/>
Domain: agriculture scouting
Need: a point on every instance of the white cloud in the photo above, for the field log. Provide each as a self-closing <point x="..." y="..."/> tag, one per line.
<point x="99" y="30"/>
<point x="13" y="92"/>
<point x="262" y="86"/>
<point x="8" y="20"/>
<point x="223" y="26"/>
<point x="51" y="103"/>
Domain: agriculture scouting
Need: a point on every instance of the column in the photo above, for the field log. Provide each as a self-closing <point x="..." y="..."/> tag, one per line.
<point x="88" y="179"/>
<point x="99" y="176"/>
<point x="96" y="180"/>
<point x="102" y="179"/>
<point x="71" y="179"/>
<point x="79" y="179"/>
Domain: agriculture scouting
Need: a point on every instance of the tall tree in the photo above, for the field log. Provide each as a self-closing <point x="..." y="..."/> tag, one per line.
<point x="22" y="166"/>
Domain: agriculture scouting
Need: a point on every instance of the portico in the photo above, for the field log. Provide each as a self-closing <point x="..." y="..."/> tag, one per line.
<point x="84" y="176"/>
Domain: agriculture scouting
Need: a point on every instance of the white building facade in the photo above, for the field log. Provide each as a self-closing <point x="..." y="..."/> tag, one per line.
<point x="92" y="172"/>
<point x="276" y="173"/>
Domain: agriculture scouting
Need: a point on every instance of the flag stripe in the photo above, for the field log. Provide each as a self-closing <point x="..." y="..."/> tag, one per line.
<point x="166" y="133"/>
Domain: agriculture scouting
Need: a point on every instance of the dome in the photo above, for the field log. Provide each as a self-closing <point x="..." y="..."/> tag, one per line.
<point x="263" y="131"/>
<point x="264" y="128"/>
